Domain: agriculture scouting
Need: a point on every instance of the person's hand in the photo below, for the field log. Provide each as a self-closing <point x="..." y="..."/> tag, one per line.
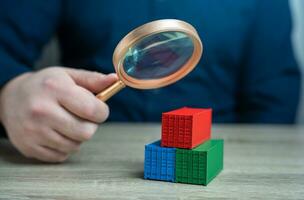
<point x="49" y="113"/>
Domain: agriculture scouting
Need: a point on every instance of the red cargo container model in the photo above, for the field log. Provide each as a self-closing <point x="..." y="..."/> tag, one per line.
<point x="186" y="127"/>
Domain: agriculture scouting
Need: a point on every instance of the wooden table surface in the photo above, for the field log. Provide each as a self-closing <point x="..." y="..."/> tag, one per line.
<point x="260" y="162"/>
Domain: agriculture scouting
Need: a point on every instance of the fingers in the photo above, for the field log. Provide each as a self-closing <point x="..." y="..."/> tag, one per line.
<point x="77" y="99"/>
<point x="48" y="155"/>
<point x="92" y="81"/>
<point x="84" y="104"/>
<point x="57" y="111"/>
<point x="69" y="125"/>
<point x="58" y="142"/>
<point x="46" y="145"/>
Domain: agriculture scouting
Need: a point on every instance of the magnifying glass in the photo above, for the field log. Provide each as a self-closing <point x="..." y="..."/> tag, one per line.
<point x="155" y="55"/>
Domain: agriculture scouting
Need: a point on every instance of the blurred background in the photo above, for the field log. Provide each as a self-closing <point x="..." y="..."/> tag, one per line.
<point x="297" y="8"/>
<point x="51" y="52"/>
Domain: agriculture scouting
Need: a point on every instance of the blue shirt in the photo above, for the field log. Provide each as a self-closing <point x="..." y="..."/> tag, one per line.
<point x="247" y="72"/>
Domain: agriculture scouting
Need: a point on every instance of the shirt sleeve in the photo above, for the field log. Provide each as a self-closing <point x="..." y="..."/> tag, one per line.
<point x="270" y="78"/>
<point x="25" y="27"/>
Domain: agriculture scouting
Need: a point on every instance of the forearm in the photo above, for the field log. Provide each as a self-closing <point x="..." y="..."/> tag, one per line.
<point x="22" y="39"/>
<point x="3" y="94"/>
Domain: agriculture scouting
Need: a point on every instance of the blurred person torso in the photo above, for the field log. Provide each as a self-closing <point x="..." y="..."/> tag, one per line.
<point x="243" y="74"/>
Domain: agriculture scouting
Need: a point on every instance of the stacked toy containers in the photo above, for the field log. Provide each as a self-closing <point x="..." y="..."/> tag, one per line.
<point x="185" y="153"/>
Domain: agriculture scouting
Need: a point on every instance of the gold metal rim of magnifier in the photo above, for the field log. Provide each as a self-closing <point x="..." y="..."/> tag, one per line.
<point x="148" y="29"/>
<point x="139" y="33"/>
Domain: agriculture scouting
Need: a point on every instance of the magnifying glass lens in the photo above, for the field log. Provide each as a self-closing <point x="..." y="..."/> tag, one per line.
<point x="155" y="55"/>
<point x="158" y="55"/>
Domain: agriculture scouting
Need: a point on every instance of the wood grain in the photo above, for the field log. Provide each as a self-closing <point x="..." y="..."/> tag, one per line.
<point x="260" y="162"/>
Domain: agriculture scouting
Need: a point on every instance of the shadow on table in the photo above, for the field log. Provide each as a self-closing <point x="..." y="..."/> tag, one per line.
<point x="138" y="174"/>
<point x="9" y="154"/>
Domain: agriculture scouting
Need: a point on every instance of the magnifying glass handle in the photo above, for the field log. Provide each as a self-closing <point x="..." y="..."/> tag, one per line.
<point x="111" y="90"/>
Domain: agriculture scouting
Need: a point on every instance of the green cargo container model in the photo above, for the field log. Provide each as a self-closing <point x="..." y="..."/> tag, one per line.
<point x="201" y="164"/>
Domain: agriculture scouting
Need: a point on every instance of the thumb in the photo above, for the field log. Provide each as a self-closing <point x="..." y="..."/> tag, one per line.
<point x="92" y="81"/>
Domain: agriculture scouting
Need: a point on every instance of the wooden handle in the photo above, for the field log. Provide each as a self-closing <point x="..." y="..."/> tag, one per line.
<point x="110" y="91"/>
